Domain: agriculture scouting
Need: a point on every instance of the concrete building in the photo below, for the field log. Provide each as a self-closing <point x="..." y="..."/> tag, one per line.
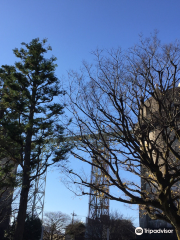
<point x="150" y="112"/>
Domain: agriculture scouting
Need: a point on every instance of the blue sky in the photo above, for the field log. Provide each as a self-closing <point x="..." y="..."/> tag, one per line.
<point x="74" y="28"/>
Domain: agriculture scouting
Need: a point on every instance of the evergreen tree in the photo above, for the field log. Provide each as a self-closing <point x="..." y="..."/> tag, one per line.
<point x="30" y="120"/>
<point x="32" y="229"/>
<point x="76" y="230"/>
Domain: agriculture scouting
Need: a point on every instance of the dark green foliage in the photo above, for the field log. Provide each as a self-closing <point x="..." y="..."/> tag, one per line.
<point x="122" y="229"/>
<point x="28" y="117"/>
<point x="119" y="228"/>
<point x="77" y="230"/>
<point x="29" y="85"/>
<point x="32" y="229"/>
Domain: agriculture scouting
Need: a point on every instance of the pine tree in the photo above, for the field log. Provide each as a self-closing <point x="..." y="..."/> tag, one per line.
<point x="30" y="119"/>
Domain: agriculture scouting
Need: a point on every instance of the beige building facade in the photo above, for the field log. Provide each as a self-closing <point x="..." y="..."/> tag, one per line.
<point x="150" y="119"/>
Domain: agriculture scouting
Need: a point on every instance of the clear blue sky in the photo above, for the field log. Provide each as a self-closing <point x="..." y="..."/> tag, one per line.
<point x="74" y="28"/>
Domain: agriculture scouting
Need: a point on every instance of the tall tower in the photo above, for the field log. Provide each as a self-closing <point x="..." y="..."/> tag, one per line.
<point x="150" y="112"/>
<point x="98" y="205"/>
<point x="35" y="206"/>
<point x="98" y="215"/>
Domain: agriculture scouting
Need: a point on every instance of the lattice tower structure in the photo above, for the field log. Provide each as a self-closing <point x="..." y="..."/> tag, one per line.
<point x="36" y="196"/>
<point x="98" y="202"/>
<point x="9" y="200"/>
<point x="98" y="206"/>
<point x="98" y="215"/>
<point x="35" y="206"/>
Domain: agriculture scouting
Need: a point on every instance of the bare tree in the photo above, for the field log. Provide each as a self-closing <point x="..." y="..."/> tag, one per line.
<point x="54" y="225"/>
<point x="127" y="107"/>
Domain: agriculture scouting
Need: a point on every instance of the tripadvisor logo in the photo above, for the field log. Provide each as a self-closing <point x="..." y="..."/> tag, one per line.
<point x="147" y="230"/>
<point x="138" y="231"/>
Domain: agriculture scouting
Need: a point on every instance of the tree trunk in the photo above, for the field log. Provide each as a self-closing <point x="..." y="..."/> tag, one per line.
<point x="178" y="232"/>
<point x="19" y="230"/>
<point x="22" y="208"/>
